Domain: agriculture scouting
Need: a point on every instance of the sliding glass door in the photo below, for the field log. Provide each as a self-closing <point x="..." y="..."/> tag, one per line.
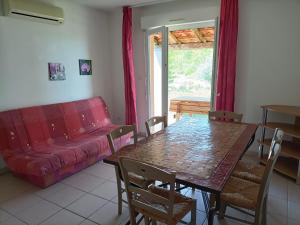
<point x="181" y="65"/>
<point x="157" y="50"/>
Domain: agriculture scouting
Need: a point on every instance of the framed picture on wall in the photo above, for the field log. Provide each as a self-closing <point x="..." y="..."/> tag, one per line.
<point x="85" y="67"/>
<point x="56" y="71"/>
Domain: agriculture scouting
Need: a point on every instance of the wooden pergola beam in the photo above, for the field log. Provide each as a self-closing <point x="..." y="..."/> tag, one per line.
<point x="173" y="38"/>
<point x="192" y="45"/>
<point x="199" y="35"/>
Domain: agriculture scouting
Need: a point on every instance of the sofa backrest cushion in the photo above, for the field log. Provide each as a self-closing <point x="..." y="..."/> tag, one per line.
<point x="44" y="124"/>
<point x="55" y="122"/>
<point x="85" y="116"/>
<point x="13" y="134"/>
<point x="100" y="112"/>
<point x="35" y="123"/>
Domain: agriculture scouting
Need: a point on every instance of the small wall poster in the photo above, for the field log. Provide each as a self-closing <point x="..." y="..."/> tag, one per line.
<point x="56" y="71"/>
<point x="85" y="67"/>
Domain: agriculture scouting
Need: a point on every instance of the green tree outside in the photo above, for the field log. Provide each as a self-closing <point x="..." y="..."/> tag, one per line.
<point x="190" y="72"/>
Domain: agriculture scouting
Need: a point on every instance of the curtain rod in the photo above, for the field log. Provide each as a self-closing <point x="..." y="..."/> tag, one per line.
<point x="150" y="3"/>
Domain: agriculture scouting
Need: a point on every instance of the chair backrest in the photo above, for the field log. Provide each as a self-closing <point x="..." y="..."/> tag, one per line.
<point x="139" y="199"/>
<point x="225" y="116"/>
<point x="154" y="121"/>
<point x="118" y="133"/>
<point x="274" y="152"/>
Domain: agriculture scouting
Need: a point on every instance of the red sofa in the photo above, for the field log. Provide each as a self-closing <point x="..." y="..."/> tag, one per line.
<point x="44" y="144"/>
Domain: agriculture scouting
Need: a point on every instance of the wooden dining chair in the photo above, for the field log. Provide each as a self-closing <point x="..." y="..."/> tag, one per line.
<point x="155" y="121"/>
<point x="119" y="133"/>
<point x="252" y="171"/>
<point x="112" y="136"/>
<point x="155" y="203"/>
<point x="244" y="195"/>
<point x="225" y="116"/>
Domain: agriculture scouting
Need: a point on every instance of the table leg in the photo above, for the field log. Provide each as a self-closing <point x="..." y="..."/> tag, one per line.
<point x="298" y="174"/>
<point x="211" y="216"/>
<point x="214" y="206"/>
<point x="250" y="142"/>
<point x="263" y="133"/>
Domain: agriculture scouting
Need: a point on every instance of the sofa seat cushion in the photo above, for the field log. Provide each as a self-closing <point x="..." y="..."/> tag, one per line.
<point x="48" y="158"/>
<point x="99" y="138"/>
<point x="34" y="164"/>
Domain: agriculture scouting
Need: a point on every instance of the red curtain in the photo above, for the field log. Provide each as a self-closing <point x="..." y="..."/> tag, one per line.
<point x="227" y="55"/>
<point x="128" y="64"/>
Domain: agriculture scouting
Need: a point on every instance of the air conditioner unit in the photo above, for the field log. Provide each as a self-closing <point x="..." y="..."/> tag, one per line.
<point x="34" y="10"/>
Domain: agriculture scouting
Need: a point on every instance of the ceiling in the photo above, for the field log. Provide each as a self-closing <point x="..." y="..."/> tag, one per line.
<point x="110" y="4"/>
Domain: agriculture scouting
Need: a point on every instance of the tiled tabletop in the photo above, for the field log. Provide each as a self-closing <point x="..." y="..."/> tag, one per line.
<point x="201" y="152"/>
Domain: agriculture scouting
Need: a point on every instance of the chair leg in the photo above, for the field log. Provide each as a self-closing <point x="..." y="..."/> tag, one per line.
<point x="264" y="219"/>
<point x="177" y="186"/>
<point x="222" y="210"/>
<point x="154" y="222"/>
<point x="212" y="200"/>
<point x="147" y="221"/>
<point x="119" y="190"/>
<point x="132" y="217"/>
<point x="194" y="213"/>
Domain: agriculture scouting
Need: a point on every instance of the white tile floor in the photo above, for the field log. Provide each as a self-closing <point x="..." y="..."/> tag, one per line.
<point x="90" y="198"/>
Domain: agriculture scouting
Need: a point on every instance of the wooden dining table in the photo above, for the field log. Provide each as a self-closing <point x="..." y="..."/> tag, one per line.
<point x="202" y="153"/>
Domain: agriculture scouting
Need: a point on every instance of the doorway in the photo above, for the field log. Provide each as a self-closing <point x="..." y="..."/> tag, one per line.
<point x="181" y="69"/>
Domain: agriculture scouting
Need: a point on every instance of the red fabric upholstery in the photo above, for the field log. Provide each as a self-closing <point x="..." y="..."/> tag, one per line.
<point x="46" y="143"/>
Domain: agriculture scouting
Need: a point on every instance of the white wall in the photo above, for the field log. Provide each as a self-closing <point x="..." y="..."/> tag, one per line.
<point x="26" y="48"/>
<point x="140" y="69"/>
<point x="268" y="69"/>
<point x="118" y="98"/>
<point x="179" y="11"/>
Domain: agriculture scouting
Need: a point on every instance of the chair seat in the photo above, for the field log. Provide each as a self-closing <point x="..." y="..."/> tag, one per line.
<point x="249" y="171"/>
<point x="182" y="205"/>
<point x="240" y="193"/>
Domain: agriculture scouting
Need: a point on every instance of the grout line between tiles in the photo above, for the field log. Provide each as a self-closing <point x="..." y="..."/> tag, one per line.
<point x="107" y="201"/>
<point x="61" y="209"/>
<point x="14" y="216"/>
